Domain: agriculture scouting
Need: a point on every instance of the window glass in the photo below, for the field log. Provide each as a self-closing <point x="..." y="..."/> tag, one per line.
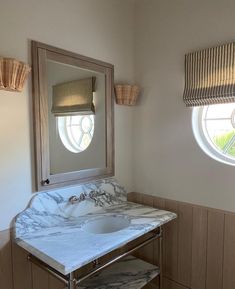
<point x="214" y="129"/>
<point x="76" y="132"/>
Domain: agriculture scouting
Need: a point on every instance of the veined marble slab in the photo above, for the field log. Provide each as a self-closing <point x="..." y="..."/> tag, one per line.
<point x="129" y="273"/>
<point x="51" y="228"/>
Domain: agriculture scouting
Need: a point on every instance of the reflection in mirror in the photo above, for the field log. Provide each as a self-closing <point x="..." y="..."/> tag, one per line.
<point x="76" y="131"/>
<point x="76" y="107"/>
<point x="73" y="117"/>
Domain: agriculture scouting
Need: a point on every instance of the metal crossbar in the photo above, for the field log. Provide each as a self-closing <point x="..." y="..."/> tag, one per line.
<point x="72" y="282"/>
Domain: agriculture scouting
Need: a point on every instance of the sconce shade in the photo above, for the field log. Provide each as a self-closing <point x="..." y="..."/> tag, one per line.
<point x="126" y="94"/>
<point x="13" y="74"/>
<point x="74" y="97"/>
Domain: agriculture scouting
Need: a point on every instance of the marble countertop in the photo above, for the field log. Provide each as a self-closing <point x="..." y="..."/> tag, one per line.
<point x="51" y="228"/>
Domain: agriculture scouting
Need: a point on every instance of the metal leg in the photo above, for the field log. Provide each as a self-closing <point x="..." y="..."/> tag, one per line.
<point x="72" y="281"/>
<point x="160" y="260"/>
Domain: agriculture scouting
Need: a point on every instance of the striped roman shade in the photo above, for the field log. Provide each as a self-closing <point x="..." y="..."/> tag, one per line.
<point x="210" y="76"/>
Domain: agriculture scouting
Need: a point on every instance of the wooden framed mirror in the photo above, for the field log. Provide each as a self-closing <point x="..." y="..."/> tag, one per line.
<point x="73" y="117"/>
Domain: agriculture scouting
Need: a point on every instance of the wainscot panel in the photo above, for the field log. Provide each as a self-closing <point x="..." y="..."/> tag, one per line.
<point x="5" y="260"/>
<point x="199" y="246"/>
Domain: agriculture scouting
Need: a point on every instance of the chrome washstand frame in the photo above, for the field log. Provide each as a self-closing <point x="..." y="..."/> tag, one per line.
<point x="72" y="283"/>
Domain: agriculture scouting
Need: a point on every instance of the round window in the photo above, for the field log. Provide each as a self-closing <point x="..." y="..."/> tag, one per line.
<point x="214" y="130"/>
<point x="76" y="132"/>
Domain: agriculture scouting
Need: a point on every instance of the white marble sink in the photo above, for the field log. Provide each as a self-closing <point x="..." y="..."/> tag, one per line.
<point x="106" y="225"/>
<point x="68" y="236"/>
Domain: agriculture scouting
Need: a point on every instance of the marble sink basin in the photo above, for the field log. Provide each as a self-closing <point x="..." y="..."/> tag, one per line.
<point x="107" y="224"/>
<point x="69" y="236"/>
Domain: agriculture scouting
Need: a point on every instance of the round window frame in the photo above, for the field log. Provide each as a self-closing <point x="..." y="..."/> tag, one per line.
<point x="66" y="136"/>
<point x="204" y="140"/>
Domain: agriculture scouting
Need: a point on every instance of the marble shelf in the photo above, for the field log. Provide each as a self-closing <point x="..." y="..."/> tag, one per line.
<point x="129" y="273"/>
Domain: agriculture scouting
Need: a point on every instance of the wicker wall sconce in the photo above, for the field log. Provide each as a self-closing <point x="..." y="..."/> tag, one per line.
<point x="126" y="94"/>
<point x="13" y="74"/>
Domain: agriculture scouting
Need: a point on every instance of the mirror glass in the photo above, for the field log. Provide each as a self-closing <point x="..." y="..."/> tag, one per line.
<point x="76" y="140"/>
<point x="73" y="117"/>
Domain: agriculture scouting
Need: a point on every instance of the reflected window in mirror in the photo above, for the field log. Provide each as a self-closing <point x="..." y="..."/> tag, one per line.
<point x="76" y="104"/>
<point x="76" y="132"/>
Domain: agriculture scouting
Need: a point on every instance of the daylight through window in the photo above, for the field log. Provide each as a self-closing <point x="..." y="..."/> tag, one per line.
<point x="76" y="132"/>
<point x="214" y="129"/>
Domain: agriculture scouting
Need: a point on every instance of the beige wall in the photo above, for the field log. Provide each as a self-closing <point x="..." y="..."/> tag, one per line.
<point x="101" y="29"/>
<point x="167" y="160"/>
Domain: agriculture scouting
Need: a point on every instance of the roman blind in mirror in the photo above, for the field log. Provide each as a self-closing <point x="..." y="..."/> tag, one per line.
<point x="74" y="97"/>
<point x="210" y="76"/>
